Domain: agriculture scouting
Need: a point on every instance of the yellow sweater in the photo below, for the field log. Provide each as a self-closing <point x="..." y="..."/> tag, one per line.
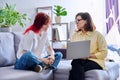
<point x="98" y="45"/>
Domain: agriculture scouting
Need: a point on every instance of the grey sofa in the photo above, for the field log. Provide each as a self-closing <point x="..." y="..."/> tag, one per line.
<point x="111" y="73"/>
<point x="8" y="48"/>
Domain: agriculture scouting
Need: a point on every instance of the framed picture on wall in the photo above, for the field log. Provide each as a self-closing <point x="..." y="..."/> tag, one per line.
<point x="47" y="10"/>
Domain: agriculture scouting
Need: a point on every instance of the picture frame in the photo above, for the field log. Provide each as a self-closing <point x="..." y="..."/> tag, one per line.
<point x="47" y="10"/>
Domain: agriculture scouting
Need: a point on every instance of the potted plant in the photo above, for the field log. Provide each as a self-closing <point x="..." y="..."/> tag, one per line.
<point x="10" y="17"/>
<point x="59" y="11"/>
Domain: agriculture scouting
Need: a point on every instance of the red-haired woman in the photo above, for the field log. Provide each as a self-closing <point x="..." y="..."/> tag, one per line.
<point x="34" y="52"/>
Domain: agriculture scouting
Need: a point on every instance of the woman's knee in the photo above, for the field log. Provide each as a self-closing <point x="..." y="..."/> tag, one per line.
<point x="58" y="54"/>
<point x="28" y="53"/>
<point x="76" y="61"/>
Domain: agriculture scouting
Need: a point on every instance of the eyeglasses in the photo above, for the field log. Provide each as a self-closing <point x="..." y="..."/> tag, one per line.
<point x="78" y="20"/>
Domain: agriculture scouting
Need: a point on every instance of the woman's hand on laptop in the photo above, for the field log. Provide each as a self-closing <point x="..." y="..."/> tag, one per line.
<point x="92" y="56"/>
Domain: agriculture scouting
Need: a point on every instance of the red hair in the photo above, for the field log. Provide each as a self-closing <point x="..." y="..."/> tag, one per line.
<point x="40" y="20"/>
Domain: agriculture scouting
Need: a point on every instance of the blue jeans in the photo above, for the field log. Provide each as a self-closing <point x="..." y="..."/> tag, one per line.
<point x="28" y="61"/>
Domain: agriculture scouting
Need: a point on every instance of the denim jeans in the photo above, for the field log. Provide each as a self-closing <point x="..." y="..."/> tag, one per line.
<point x="28" y="61"/>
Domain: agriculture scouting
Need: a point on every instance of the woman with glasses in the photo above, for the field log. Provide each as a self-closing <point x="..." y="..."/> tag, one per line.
<point x="34" y="52"/>
<point x="98" y="47"/>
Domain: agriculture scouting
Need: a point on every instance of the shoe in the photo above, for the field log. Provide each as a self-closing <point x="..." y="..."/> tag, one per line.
<point x="49" y="67"/>
<point x="46" y="67"/>
<point x="38" y="68"/>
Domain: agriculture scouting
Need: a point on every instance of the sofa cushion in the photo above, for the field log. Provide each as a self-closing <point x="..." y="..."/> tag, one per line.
<point x="62" y="72"/>
<point x="9" y="73"/>
<point x="17" y="38"/>
<point x="7" y="53"/>
<point x="111" y="73"/>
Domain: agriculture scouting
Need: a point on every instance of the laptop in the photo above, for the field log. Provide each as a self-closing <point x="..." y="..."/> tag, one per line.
<point x="78" y="49"/>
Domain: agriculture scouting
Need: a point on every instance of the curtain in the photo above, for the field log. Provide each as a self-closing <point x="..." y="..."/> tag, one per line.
<point x="112" y="14"/>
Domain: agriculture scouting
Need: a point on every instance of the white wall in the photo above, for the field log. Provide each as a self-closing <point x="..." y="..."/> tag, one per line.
<point x="95" y="7"/>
